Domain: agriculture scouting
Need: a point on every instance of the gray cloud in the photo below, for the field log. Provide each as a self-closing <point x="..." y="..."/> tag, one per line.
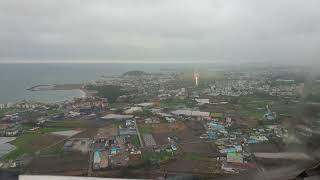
<point x="210" y="30"/>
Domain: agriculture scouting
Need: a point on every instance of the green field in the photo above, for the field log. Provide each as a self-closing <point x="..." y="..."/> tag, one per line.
<point x="72" y="123"/>
<point x="145" y="129"/>
<point x="156" y="158"/>
<point x="135" y="140"/>
<point x="172" y="103"/>
<point x="23" y="143"/>
<point x="191" y="156"/>
<point x="5" y="110"/>
<point x="23" y="146"/>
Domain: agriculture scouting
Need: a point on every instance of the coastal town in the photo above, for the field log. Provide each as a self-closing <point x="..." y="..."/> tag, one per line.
<point x="156" y="125"/>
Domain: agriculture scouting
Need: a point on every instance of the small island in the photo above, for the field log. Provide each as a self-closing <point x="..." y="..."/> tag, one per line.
<point x="135" y="74"/>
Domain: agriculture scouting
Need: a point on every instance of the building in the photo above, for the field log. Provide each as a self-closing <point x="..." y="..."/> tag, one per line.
<point x="10" y="130"/>
<point x="152" y="120"/>
<point x="133" y="110"/>
<point x="202" y="101"/>
<point x="116" y="116"/>
<point x="234" y="158"/>
<point x="191" y="113"/>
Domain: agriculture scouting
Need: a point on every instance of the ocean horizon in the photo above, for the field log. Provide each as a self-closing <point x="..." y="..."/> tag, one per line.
<point x="16" y="78"/>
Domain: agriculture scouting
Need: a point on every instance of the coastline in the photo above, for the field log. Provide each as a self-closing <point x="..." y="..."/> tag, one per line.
<point x="64" y="87"/>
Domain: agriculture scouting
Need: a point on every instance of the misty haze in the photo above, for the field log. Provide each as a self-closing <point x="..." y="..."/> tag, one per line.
<point x="137" y="89"/>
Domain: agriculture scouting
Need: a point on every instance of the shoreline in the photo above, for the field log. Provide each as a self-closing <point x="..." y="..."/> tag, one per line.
<point x="83" y="92"/>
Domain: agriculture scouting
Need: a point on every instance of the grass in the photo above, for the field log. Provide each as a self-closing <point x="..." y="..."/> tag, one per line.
<point x="191" y="156"/>
<point x="5" y="110"/>
<point x="23" y="142"/>
<point x="172" y="103"/>
<point x="44" y="130"/>
<point x="135" y="140"/>
<point x="56" y="149"/>
<point x="145" y="129"/>
<point x="23" y="145"/>
<point x="72" y="123"/>
<point x="156" y="158"/>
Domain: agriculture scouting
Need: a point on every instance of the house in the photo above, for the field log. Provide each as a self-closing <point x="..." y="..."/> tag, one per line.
<point x="215" y="126"/>
<point x="68" y="146"/>
<point x="116" y="116"/>
<point x="114" y="150"/>
<point x="10" y="130"/>
<point x="132" y="110"/>
<point x="202" y="101"/>
<point x="191" y="113"/>
<point x="170" y="120"/>
<point x="96" y="160"/>
<point x="234" y="158"/>
<point x="153" y="120"/>
<point x="130" y="122"/>
<point x="127" y="131"/>
<point x="228" y="150"/>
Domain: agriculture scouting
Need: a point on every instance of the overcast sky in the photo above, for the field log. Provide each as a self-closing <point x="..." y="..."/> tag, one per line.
<point x="162" y="30"/>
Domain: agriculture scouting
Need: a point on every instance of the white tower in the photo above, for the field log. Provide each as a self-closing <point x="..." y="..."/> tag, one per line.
<point x="196" y="76"/>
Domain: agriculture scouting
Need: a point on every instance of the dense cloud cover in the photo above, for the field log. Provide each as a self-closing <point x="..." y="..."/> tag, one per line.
<point x="150" y="30"/>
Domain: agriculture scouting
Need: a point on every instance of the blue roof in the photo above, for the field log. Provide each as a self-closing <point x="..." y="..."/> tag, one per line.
<point x="230" y="149"/>
<point x="215" y="125"/>
<point x="252" y="141"/>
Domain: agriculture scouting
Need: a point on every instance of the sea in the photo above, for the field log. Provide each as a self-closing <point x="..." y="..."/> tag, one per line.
<point x="15" y="79"/>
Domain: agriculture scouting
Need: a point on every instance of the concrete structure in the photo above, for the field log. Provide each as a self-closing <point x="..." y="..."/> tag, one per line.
<point x="132" y="110"/>
<point x="117" y="116"/>
<point x="202" y="101"/>
<point x="234" y="158"/>
<point x="149" y="140"/>
<point x="191" y="113"/>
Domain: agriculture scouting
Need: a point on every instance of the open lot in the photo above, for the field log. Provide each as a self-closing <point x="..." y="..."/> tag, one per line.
<point x="186" y="132"/>
<point x="161" y="127"/>
<point x="30" y="143"/>
<point x="191" y="166"/>
<point x="59" y="164"/>
<point x="208" y="149"/>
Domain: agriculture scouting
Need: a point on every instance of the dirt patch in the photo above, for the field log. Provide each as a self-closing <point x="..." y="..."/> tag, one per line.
<point x="58" y="164"/>
<point x="45" y="141"/>
<point x="66" y="133"/>
<point x="208" y="149"/>
<point x="107" y="131"/>
<point x="164" y="127"/>
<point x="195" y="125"/>
<point x="87" y="133"/>
<point x="184" y="133"/>
<point x="191" y="166"/>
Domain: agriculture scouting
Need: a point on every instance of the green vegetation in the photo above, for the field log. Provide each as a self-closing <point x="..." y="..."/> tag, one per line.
<point x="31" y="115"/>
<point x="248" y="106"/>
<point x="71" y="123"/>
<point x="23" y="145"/>
<point x="24" y="142"/>
<point x="108" y="91"/>
<point x="43" y="130"/>
<point x="313" y="98"/>
<point x="172" y="103"/>
<point x="154" y="158"/>
<point x="144" y="129"/>
<point x="144" y="113"/>
<point x="56" y="149"/>
<point x="135" y="140"/>
<point x="191" y="156"/>
<point x="5" y="111"/>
